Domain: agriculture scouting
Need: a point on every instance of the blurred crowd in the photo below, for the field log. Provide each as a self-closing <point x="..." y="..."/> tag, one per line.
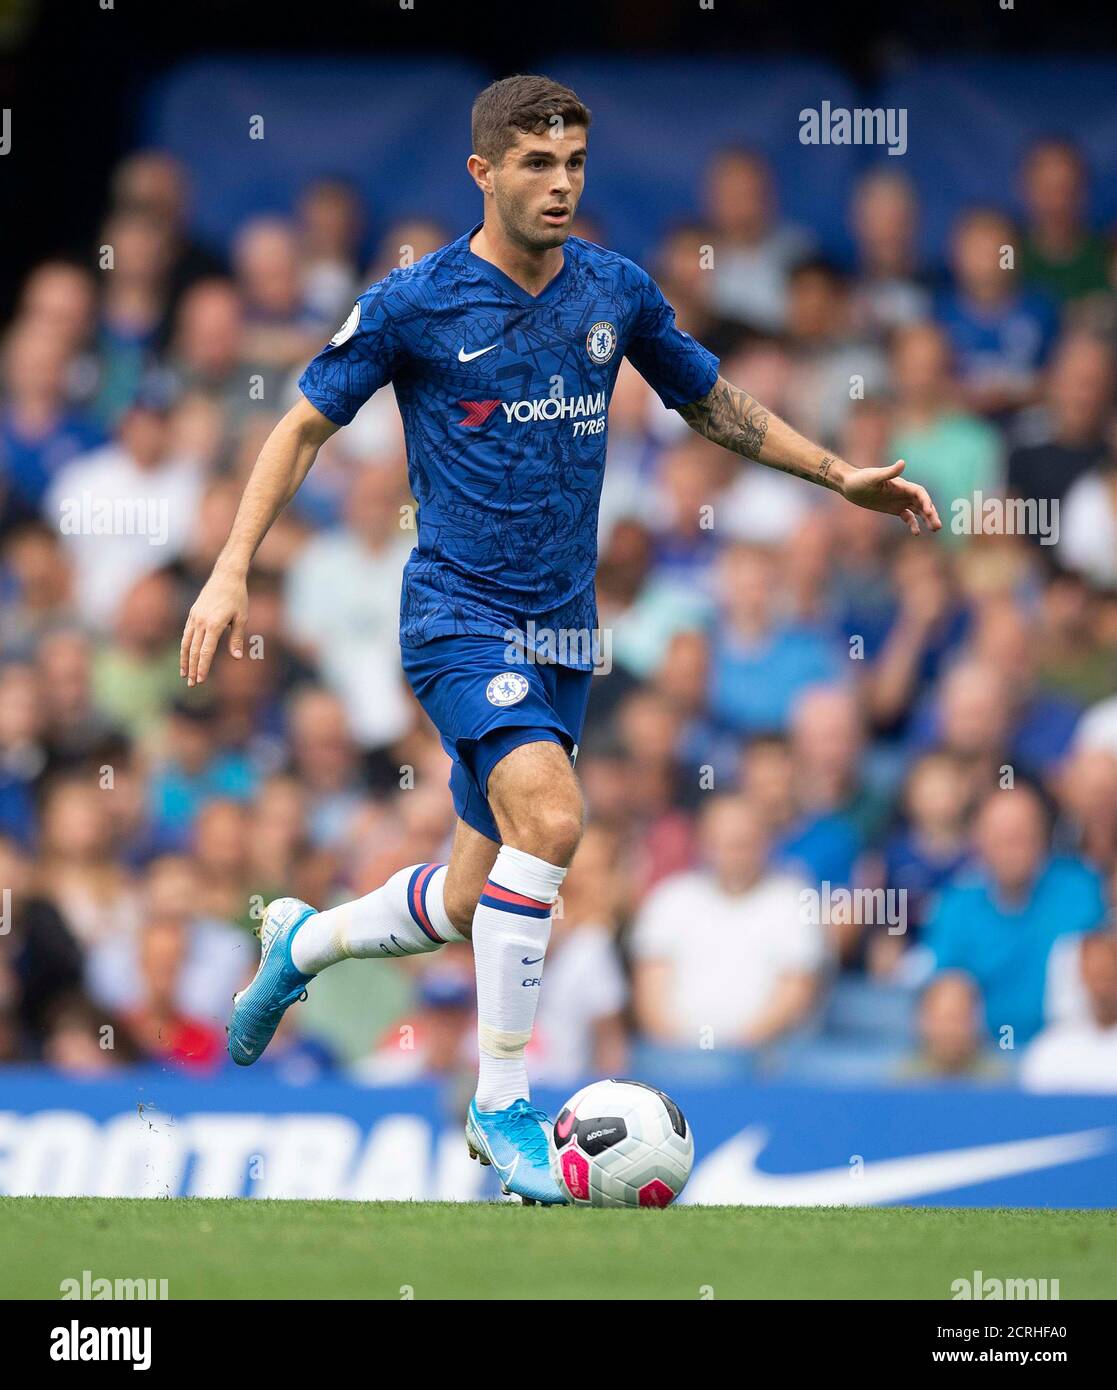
<point x="852" y="795"/>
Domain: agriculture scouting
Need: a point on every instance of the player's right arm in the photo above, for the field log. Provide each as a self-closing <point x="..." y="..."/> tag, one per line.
<point x="284" y="461"/>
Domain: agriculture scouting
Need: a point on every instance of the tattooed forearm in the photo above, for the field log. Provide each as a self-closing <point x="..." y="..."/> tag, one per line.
<point x="731" y="418"/>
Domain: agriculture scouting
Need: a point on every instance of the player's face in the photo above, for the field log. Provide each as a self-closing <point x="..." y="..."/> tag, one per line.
<point x="537" y="185"/>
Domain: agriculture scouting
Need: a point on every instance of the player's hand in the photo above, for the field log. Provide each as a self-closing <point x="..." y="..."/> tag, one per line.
<point x="883" y="490"/>
<point x="222" y="603"/>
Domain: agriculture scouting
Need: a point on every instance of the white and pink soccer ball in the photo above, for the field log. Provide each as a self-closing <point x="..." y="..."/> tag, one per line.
<point x="621" y="1144"/>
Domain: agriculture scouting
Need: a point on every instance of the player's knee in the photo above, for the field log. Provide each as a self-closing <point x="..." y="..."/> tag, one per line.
<point x="549" y="832"/>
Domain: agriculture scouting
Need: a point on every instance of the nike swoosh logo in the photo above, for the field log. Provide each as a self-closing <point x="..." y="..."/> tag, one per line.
<point x="525" y="961"/>
<point x="464" y="356"/>
<point x="730" y="1175"/>
<point x="563" y="1130"/>
<point x="510" y="1174"/>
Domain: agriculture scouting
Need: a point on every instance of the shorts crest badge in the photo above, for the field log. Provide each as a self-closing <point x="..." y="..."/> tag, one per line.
<point x="509" y="688"/>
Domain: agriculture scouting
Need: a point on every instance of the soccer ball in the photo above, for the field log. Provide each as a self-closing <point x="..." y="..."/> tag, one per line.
<point x="621" y="1144"/>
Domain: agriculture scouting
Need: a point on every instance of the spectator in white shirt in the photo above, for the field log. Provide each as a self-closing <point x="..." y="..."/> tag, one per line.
<point x="729" y="955"/>
<point x="342" y="606"/>
<point x="1081" y="1055"/>
<point x="753" y="249"/>
<point x="1088" y="535"/>
<point x="127" y="509"/>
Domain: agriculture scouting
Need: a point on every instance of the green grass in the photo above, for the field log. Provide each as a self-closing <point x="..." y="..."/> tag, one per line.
<point x="252" y="1249"/>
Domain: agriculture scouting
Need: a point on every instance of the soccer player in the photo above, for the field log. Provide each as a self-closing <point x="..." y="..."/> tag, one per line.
<point x="503" y="348"/>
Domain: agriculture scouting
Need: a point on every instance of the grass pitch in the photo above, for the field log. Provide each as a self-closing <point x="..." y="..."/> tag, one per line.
<point x="435" y="1250"/>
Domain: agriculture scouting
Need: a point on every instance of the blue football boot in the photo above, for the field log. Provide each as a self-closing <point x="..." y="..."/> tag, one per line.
<point x="258" y="1008"/>
<point x="514" y="1141"/>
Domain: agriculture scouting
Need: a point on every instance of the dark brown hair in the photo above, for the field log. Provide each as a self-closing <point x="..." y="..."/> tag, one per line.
<point x="525" y="104"/>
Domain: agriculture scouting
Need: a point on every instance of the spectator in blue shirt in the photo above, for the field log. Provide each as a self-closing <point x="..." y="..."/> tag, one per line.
<point x="39" y="430"/>
<point x="999" y="923"/>
<point x="1001" y="334"/>
<point x="760" y="660"/>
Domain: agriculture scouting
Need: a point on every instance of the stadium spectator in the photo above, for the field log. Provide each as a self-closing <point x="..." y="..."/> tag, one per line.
<point x="1074" y="658"/>
<point x="22" y="754"/>
<point x="1086" y="788"/>
<point x="685" y="265"/>
<point x="810" y="838"/>
<point x="135" y="305"/>
<point x="1061" y="255"/>
<point x="953" y="1044"/>
<point x="74" y="730"/>
<point x="727" y="956"/>
<point x="998" y="922"/>
<point x="1001" y="333"/>
<point x="40" y="962"/>
<point x="40" y="432"/>
<point x="175" y="964"/>
<point x="61" y="297"/>
<point x="753" y="250"/>
<point x="927" y="852"/>
<point x="1081" y="1056"/>
<point x="331" y="224"/>
<point x="1088" y="535"/>
<point x="1071" y="425"/>
<point x="324" y="757"/>
<point x="957" y="453"/>
<point x="135" y="675"/>
<point x="889" y="291"/>
<point x="342" y="606"/>
<point x="280" y="329"/>
<point x="153" y="182"/>
<point x="642" y="610"/>
<point x="156" y="1025"/>
<point x="831" y="365"/>
<point x="35" y="574"/>
<point x="137" y="491"/>
<point x="188" y="769"/>
<point x="78" y="868"/>
<point x="208" y="357"/>
<point x="760" y="659"/>
<point x="686" y="538"/>
<point x="1042" y="722"/>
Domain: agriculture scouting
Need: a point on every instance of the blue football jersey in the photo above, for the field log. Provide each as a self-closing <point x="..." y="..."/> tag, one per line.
<point x="504" y="398"/>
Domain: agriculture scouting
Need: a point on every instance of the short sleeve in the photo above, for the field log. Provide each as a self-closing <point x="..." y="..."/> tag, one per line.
<point x="677" y="367"/>
<point x="360" y="358"/>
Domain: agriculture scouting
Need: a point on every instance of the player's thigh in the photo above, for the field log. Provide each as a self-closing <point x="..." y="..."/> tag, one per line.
<point x="471" y="858"/>
<point x="536" y="801"/>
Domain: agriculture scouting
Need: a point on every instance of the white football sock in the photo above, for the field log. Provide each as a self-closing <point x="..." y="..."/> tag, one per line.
<point x="511" y="928"/>
<point x="404" y="917"/>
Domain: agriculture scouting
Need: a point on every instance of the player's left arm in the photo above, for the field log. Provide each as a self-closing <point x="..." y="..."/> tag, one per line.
<point x="732" y="418"/>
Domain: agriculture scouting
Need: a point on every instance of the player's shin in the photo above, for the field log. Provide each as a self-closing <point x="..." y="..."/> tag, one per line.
<point x="511" y="928"/>
<point x="404" y="917"/>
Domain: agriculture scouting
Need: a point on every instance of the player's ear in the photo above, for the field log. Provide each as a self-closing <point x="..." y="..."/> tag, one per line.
<point x="480" y="171"/>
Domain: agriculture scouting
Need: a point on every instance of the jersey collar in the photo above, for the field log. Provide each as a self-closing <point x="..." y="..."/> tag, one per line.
<point x="505" y="282"/>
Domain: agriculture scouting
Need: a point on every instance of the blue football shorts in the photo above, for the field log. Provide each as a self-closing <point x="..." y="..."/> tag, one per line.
<point x="483" y="707"/>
